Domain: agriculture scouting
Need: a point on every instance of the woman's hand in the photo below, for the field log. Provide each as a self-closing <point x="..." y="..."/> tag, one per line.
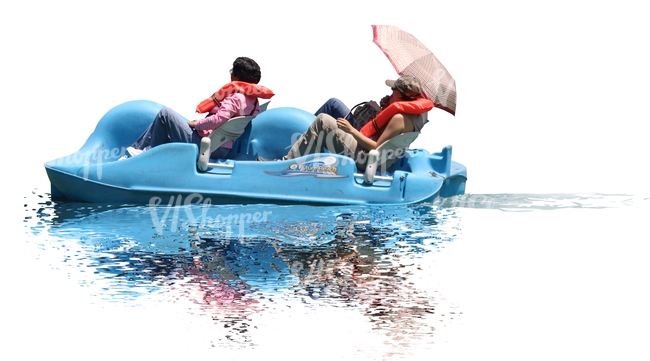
<point x="344" y="125"/>
<point x="191" y="123"/>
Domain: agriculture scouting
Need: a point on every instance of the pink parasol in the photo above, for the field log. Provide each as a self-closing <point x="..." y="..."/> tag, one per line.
<point x="410" y="57"/>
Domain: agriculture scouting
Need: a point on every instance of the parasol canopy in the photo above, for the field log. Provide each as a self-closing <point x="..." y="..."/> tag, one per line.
<point x="410" y="57"/>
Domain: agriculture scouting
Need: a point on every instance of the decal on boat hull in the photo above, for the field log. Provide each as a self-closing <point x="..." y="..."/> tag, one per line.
<point x="320" y="167"/>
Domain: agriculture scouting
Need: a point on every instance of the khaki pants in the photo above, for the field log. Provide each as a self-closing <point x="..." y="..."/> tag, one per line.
<point x="323" y="134"/>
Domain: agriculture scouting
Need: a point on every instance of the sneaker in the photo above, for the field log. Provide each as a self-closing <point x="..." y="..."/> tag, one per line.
<point x="132" y="152"/>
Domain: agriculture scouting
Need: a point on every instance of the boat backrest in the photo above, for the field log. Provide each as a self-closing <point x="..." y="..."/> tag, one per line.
<point x="379" y="159"/>
<point x="229" y="130"/>
<point x="232" y="129"/>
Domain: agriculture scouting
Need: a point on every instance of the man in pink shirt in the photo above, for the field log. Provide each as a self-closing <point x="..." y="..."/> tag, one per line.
<point x="169" y="126"/>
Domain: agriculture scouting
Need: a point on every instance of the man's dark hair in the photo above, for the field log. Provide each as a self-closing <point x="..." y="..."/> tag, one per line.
<point x="246" y="69"/>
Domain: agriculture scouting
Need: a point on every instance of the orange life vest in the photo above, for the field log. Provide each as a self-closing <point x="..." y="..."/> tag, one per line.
<point x="242" y="87"/>
<point x="375" y="127"/>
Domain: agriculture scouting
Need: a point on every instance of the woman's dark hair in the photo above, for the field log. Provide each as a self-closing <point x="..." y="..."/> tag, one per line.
<point x="246" y="69"/>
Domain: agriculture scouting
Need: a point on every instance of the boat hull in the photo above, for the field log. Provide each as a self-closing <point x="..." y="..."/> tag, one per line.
<point x="168" y="173"/>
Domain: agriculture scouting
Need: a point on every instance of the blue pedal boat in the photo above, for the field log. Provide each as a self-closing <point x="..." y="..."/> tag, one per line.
<point x="181" y="171"/>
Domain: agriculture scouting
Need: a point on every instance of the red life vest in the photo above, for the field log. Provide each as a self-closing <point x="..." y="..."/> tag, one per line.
<point x="242" y="87"/>
<point x="376" y="126"/>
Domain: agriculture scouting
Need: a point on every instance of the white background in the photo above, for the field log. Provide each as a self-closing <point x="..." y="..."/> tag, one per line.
<point x="551" y="98"/>
<point x="551" y="95"/>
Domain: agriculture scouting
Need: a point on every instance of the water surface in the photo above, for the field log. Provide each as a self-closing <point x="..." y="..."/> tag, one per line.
<point x="467" y="276"/>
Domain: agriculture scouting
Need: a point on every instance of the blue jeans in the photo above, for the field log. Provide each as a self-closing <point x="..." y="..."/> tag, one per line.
<point x="334" y="108"/>
<point x="169" y="126"/>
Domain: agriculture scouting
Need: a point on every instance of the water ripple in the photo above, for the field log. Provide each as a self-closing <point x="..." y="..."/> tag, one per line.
<point x="234" y="263"/>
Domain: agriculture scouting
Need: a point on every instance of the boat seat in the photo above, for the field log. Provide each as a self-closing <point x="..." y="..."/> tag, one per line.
<point x="230" y="130"/>
<point x="392" y="148"/>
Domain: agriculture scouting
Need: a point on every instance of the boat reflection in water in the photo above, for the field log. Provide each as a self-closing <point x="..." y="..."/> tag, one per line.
<point x="233" y="262"/>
